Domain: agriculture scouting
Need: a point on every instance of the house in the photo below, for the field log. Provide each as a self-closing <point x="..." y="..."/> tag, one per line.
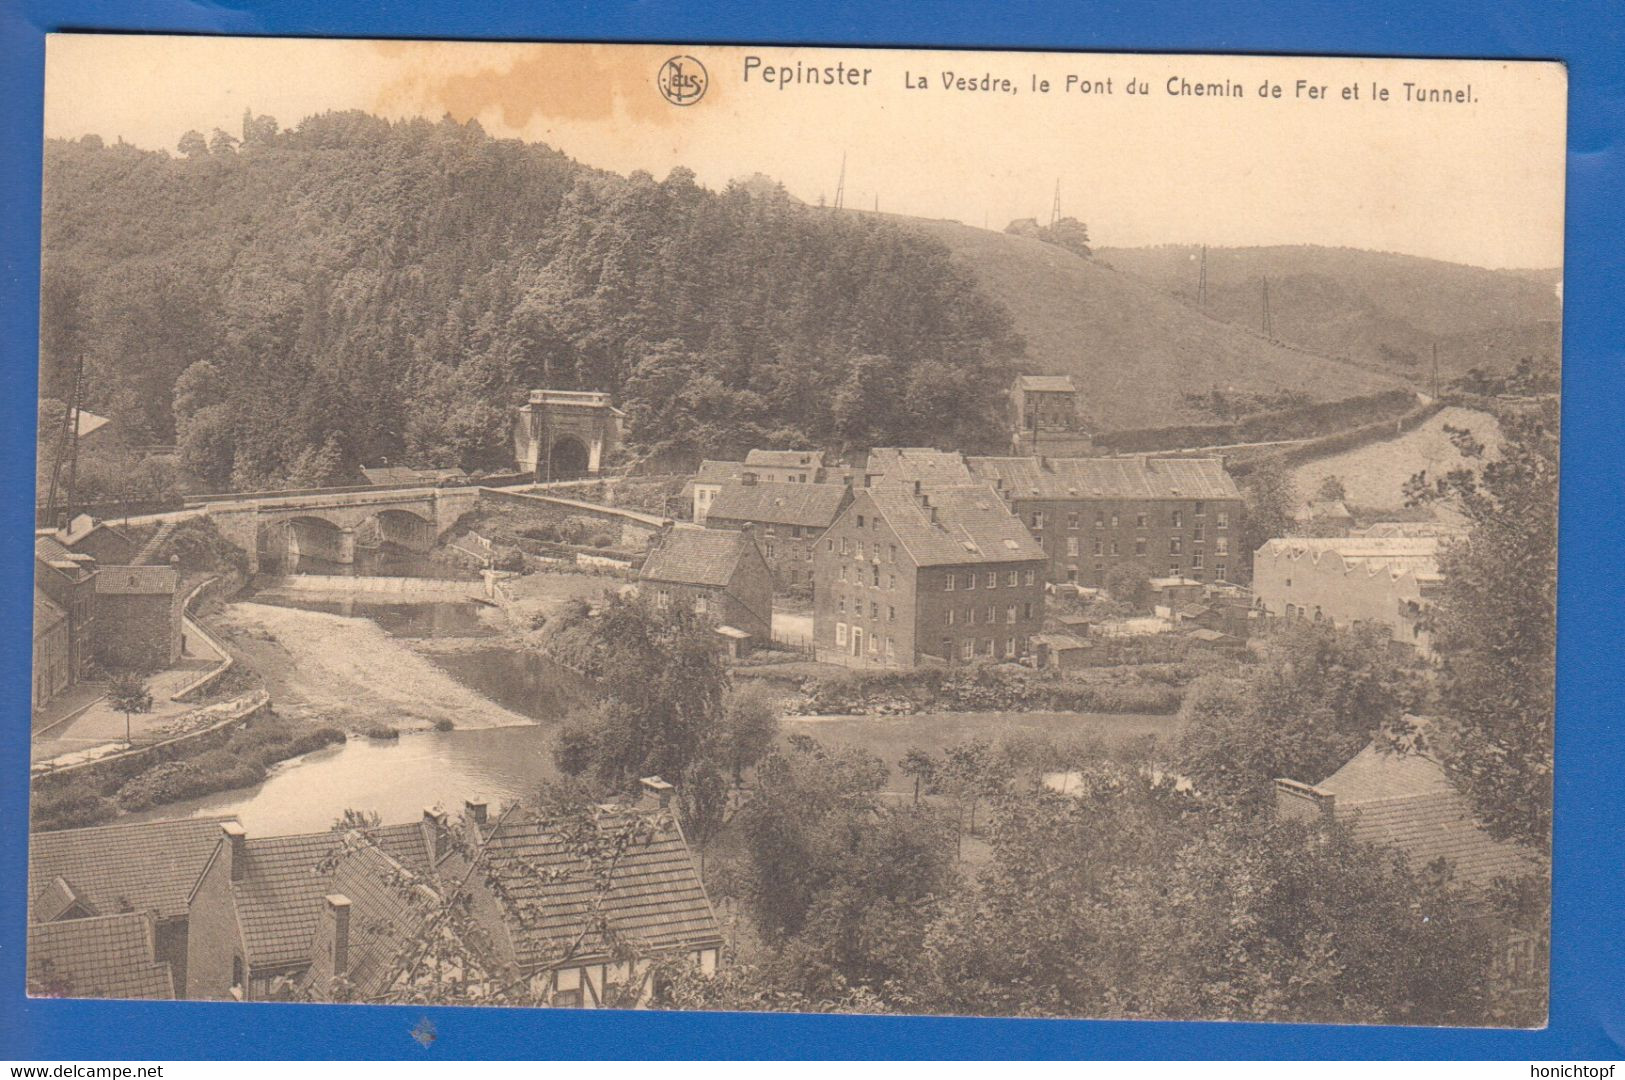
<point x="1062" y="652"/>
<point x="99" y="956"/>
<point x="1404" y="800"/>
<point x="402" y="475"/>
<point x="720" y="574"/>
<point x="138" y="617"/>
<point x="786" y="466"/>
<point x="67" y="582"/>
<point x="256" y="904"/>
<point x="920" y="573"/>
<point x="1327" y="516"/>
<point x="906" y="464"/>
<point x="1163" y="516"/>
<point x="53" y="650"/>
<point x="788" y="519"/>
<point x="146" y="869"/>
<point x="543" y="884"/>
<point x="705" y="485"/>
<point x="1381" y="581"/>
<point x="1044" y="416"/>
<point x="98" y="540"/>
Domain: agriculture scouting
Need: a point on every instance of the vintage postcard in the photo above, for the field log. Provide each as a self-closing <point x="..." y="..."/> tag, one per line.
<point x="823" y="530"/>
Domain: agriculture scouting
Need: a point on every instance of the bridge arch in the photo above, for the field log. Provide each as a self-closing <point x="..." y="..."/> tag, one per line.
<point x="283" y="543"/>
<point x="400" y="528"/>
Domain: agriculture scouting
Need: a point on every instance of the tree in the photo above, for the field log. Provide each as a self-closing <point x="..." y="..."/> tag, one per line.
<point x="970" y="772"/>
<point x="1495" y="625"/>
<point x="920" y="766"/>
<point x="193" y="145"/>
<point x="1128" y="583"/>
<point x="1315" y="699"/>
<point x="127" y="693"/>
<point x="1331" y="490"/>
<point x="750" y="725"/>
<point x="1269" y="510"/>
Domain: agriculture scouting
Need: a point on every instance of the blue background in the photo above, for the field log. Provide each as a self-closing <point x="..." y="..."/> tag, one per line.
<point x="1588" y="1009"/>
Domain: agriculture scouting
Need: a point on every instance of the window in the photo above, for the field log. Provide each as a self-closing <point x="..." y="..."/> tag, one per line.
<point x="891" y="651"/>
<point x="874" y="645"/>
<point x="1221" y="520"/>
<point x="1100" y="546"/>
<point x="1013" y="578"/>
<point x="1175" y="545"/>
<point x="1139" y="521"/>
<point x="1038" y="520"/>
<point x="970" y="580"/>
<point x="1009" y="646"/>
<point x="1100" y="520"/>
<point x="829" y="544"/>
<point x="701" y="605"/>
<point x="892" y="552"/>
<point x="1139" y="546"/>
<point x="891" y="613"/>
<point x="663" y="599"/>
<point x="843" y="571"/>
<point x="1114" y="521"/>
<point x="1174" y="569"/>
<point x="1115" y="550"/>
<point x="769" y="549"/>
<point x="1196" y="532"/>
<point x="859" y="551"/>
<point x="1072" y="574"/>
<point x="891" y="582"/>
<point x="1072" y="547"/>
<point x="795" y="532"/>
<point x="840" y="633"/>
<point x="1179" y="520"/>
<point x="567" y="999"/>
<point x="992" y="614"/>
<point x="840" y="605"/>
<point x="967" y="649"/>
<point x="1199" y="508"/>
<point x="970" y="616"/>
<point x="987" y="646"/>
<point x="1072" y="521"/>
<point x="948" y="583"/>
<point x="993" y="579"/>
<point x="843" y="545"/>
<point x="1010" y="615"/>
<point x="1196" y="560"/>
<point x="875" y="575"/>
<point x="1221" y="545"/>
<point x="860" y="521"/>
<point x="947" y="648"/>
<point x="1028" y="577"/>
<point x="951" y="614"/>
<point x="1218" y="571"/>
<point x="1027" y="611"/>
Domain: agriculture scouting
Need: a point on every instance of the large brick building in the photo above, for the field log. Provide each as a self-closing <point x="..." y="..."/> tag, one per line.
<point x="788" y="519"/>
<point x="1044" y="416"/>
<point x="720" y="574"/>
<point x="915" y="573"/>
<point x="138" y="617"/>
<point x="1169" y="516"/>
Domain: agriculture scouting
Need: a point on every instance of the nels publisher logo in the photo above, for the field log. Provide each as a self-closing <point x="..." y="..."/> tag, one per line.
<point x="682" y="80"/>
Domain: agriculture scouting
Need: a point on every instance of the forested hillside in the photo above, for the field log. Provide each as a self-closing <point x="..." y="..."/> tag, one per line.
<point x="348" y="291"/>
<point x="1137" y="353"/>
<point x="1370" y="306"/>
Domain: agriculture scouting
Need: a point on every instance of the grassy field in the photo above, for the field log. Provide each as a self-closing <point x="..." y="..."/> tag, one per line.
<point x="890" y="737"/>
<point x="1375" y="475"/>
<point x="1137" y="349"/>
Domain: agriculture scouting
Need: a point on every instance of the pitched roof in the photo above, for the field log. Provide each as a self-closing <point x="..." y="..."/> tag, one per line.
<point x="137" y="580"/>
<point x="972" y="525"/>
<point x="814" y="505"/>
<point x="653" y="894"/>
<point x="1047" y="383"/>
<point x="1137" y="477"/>
<point x="50" y="549"/>
<point x="1406" y="800"/>
<point x="151" y="866"/>
<point x="719" y="471"/>
<point x="110" y="956"/>
<point x="708" y="557"/>
<point x="46" y="613"/>
<point x="388" y="903"/>
<point x="405" y="474"/>
<point x="795" y="459"/>
<point x="279" y="890"/>
<point x="923" y="463"/>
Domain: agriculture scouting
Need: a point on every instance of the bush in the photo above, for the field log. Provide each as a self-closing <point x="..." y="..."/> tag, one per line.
<point x="602" y="540"/>
<point x="444" y="724"/>
<point x="382" y="731"/>
<point x="163" y="783"/>
<point x="70" y="807"/>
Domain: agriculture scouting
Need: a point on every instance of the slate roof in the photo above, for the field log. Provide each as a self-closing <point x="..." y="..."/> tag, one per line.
<point x="1137" y="477"/>
<point x="279" y="892"/>
<point x="707" y="557"/>
<point x="403" y="474"/>
<point x="923" y="463"/>
<point x="388" y="903"/>
<point x="653" y="897"/>
<point x="794" y="459"/>
<point x="719" y="471"/>
<point x="151" y="866"/>
<point x="1047" y="383"/>
<point x="46" y="613"/>
<point x="110" y="956"/>
<point x="137" y="581"/>
<point x="57" y="899"/>
<point x="50" y="549"/>
<point x="972" y="526"/>
<point x="1407" y="801"/>
<point x="811" y="505"/>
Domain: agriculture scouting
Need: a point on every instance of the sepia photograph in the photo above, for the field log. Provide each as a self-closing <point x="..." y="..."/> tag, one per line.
<point x="809" y="530"/>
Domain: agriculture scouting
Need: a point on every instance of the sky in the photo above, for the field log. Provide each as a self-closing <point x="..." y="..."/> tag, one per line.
<point x="1477" y="179"/>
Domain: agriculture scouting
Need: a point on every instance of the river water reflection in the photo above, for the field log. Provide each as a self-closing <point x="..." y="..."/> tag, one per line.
<point x="398" y="778"/>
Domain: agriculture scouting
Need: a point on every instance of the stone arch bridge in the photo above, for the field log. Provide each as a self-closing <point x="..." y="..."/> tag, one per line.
<point x="333" y="526"/>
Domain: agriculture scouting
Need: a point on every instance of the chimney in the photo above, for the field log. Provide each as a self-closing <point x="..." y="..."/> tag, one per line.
<point x="435" y="835"/>
<point x="338" y="912"/>
<point x="236" y="855"/>
<point x="475" y="809"/>
<point x="1303" y="802"/>
<point x="657" y="789"/>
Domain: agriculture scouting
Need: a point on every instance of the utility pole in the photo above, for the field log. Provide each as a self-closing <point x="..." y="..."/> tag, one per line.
<point x="1435" y="370"/>
<point x="67" y="446"/>
<point x="1269" y="329"/>
<point x="1201" y="281"/>
<point x="840" y="184"/>
<point x="1055" y="207"/>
